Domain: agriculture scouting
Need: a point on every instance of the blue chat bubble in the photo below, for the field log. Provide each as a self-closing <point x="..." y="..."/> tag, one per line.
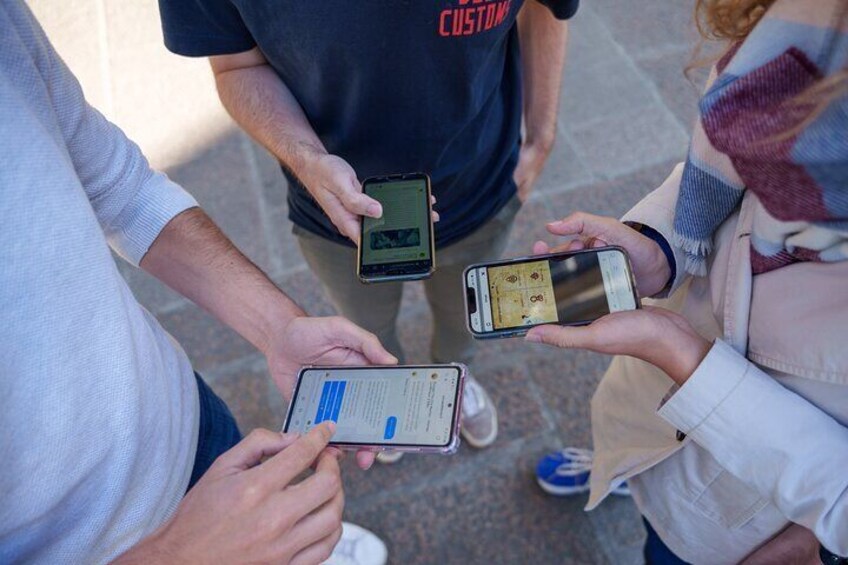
<point x="391" y="424"/>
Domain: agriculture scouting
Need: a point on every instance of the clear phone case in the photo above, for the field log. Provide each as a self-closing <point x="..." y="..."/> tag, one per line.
<point x="447" y="449"/>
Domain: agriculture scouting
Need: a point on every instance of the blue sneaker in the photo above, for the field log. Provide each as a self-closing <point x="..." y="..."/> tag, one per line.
<point x="566" y="472"/>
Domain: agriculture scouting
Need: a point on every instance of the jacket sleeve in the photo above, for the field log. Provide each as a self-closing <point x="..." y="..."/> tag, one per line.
<point x="131" y="201"/>
<point x="777" y="442"/>
<point x="657" y="211"/>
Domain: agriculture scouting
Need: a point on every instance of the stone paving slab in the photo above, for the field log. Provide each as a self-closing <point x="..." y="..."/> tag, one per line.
<point x="626" y="109"/>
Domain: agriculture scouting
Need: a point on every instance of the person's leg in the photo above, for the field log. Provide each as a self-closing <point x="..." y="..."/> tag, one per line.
<point x="371" y="306"/>
<point x="655" y="551"/>
<point x="217" y="433"/>
<point x="451" y="340"/>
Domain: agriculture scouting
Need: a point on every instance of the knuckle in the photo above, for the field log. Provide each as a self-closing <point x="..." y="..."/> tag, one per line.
<point x="329" y="482"/>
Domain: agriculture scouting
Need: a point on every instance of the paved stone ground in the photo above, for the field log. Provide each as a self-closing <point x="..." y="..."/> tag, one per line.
<point x="625" y="113"/>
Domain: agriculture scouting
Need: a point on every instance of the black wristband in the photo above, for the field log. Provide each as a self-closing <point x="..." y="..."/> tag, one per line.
<point x="829" y="558"/>
<point x="657" y="237"/>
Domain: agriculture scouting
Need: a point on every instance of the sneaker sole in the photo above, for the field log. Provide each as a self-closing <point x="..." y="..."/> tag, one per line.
<point x="388" y="459"/>
<point x="561" y="490"/>
<point x="488" y="440"/>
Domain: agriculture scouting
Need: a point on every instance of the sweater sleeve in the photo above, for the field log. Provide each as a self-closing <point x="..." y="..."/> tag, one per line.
<point x="132" y="202"/>
<point x="773" y="439"/>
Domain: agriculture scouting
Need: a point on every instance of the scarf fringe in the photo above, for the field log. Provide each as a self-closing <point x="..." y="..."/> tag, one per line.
<point x="696" y="250"/>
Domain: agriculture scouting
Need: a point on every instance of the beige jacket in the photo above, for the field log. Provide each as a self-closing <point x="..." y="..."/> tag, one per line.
<point x="765" y="413"/>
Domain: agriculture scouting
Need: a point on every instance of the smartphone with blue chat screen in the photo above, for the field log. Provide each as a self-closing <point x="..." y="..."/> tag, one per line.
<point x="413" y="408"/>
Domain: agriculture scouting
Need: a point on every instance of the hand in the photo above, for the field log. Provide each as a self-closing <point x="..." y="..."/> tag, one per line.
<point x="334" y="185"/>
<point x="650" y="265"/>
<point x="323" y="341"/>
<point x="246" y="510"/>
<point x="531" y="161"/>
<point x="796" y="545"/>
<point x="656" y="335"/>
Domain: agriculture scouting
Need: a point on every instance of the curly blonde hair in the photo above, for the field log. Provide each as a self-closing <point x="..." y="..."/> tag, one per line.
<point x="732" y="20"/>
<point x="729" y="20"/>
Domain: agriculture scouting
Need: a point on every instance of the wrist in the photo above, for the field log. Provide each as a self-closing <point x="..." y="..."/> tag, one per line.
<point x="275" y="322"/>
<point x="305" y="161"/>
<point x="684" y="356"/>
<point x="542" y="143"/>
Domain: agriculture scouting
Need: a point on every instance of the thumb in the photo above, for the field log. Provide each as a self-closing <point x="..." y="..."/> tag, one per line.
<point x="353" y="337"/>
<point x="561" y="336"/>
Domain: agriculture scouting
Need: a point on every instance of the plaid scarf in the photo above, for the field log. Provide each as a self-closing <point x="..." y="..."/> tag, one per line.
<point x="800" y="182"/>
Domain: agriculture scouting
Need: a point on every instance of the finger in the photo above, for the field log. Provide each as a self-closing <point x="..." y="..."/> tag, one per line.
<point x="282" y="468"/>
<point x="365" y="459"/>
<point x="435" y="216"/>
<point x="576" y="245"/>
<point x="349" y="335"/>
<point x="318" y="552"/>
<point x="562" y="336"/>
<point x="432" y="199"/>
<point x="355" y="201"/>
<point x="250" y="451"/>
<point x="313" y="492"/>
<point x="347" y="223"/>
<point x="319" y="524"/>
<point x="541" y="248"/>
<point x="581" y="223"/>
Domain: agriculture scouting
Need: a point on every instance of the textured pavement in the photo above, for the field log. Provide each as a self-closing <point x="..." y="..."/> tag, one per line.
<point x="625" y="113"/>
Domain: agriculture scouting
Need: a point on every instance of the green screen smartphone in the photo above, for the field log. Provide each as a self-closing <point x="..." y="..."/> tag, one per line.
<point x="399" y="245"/>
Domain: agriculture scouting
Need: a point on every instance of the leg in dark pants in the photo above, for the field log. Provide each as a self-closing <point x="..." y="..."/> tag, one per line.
<point x="656" y="552"/>
<point x="217" y="433"/>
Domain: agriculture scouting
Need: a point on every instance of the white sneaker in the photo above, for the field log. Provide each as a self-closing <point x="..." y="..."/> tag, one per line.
<point x="479" y="416"/>
<point x="358" y="546"/>
<point x="389" y="457"/>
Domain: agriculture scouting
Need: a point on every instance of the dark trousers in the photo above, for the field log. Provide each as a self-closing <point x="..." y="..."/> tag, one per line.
<point x="218" y="431"/>
<point x="656" y="552"/>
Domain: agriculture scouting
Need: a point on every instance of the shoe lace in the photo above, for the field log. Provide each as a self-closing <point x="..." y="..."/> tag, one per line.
<point x="577" y="461"/>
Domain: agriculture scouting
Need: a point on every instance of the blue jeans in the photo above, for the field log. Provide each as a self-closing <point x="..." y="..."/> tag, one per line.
<point x="217" y="433"/>
<point x="656" y="552"/>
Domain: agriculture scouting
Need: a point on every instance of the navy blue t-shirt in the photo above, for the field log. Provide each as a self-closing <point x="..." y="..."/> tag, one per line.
<point x="391" y="86"/>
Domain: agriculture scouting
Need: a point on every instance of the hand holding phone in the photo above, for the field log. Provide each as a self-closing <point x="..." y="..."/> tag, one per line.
<point x="650" y="265"/>
<point x="400" y="408"/>
<point x="507" y="298"/>
<point x="400" y="244"/>
<point x="333" y="184"/>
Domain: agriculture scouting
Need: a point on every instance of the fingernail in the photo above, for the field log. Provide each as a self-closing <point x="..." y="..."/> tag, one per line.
<point x="375" y="210"/>
<point x="331" y="426"/>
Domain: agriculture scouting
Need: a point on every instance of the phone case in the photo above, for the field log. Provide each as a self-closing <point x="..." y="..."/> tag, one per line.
<point x="519" y="332"/>
<point x="448" y="449"/>
<point x="412" y="277"/>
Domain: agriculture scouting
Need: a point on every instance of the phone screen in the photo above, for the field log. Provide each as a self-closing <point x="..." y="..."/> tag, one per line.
<point x="568" y="289"/>
<point x="402" y="234"/>
<point x="403" y="406"/>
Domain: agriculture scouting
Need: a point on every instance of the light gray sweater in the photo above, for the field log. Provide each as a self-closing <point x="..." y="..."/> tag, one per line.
<point x="98" y="404"/>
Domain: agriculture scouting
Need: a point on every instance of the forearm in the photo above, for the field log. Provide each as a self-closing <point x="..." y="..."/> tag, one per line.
<point x="543" y="41"/>
<point x="192" y="256"/>
<point x="262" y="104"/>
<point x="780" y="444"/>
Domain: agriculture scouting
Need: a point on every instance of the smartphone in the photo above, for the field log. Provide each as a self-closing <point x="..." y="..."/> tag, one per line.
<point x="399" y="408"/>
<point x="400" y="245"/>
<point x="507" y="298"/>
